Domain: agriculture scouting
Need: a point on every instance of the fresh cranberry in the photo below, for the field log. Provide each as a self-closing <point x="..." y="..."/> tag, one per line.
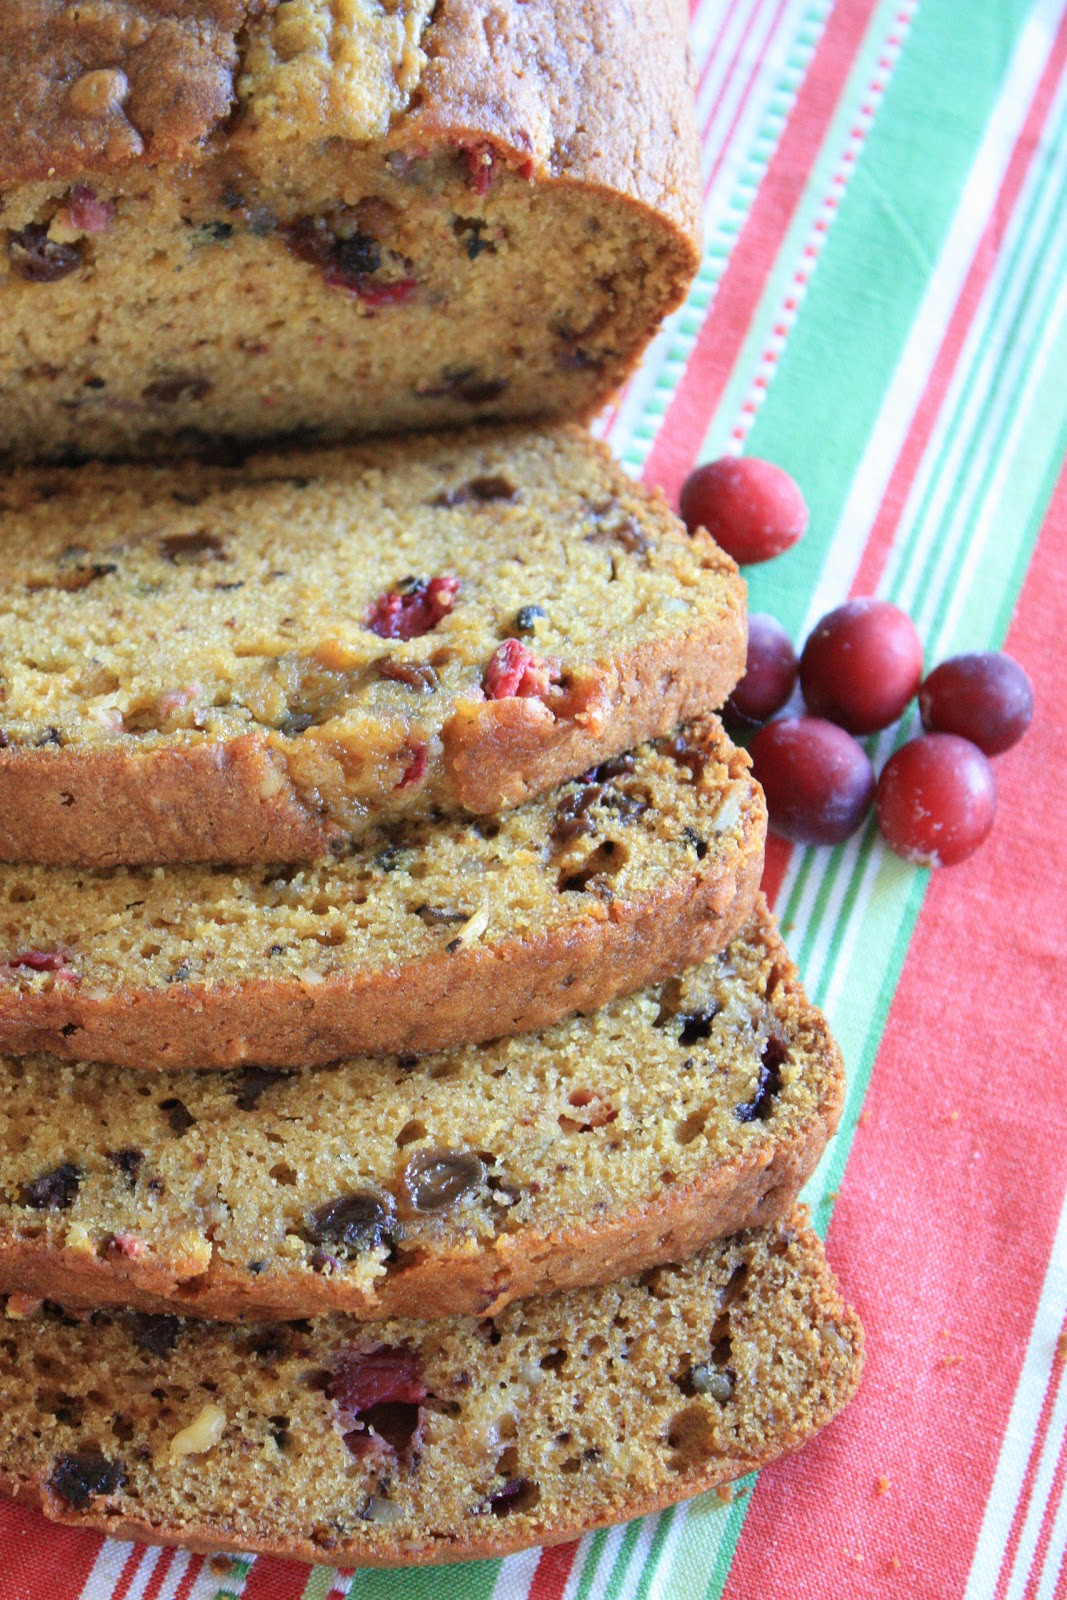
<point x="861" y="665"/>
<point x="818" y="780"/>
<point x="984" y="697"/>
<point x="752" y="509"/>
<point x="770" y="674"/>
<point x="514" y="670"/>
<point x="411" y="611"/>
<point x="937" y="798"/>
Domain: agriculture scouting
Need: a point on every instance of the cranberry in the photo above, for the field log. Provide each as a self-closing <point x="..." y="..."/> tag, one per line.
<point x="480" y="162"/>
<point x="986" y="698"/>
<point x="937" y="798"/>
<point x="415" y="770"/>
<point x="751" y="508"/>
<point x="365" y="1378"/>
<point x="55" y="961"/>
<point x="861" y="665"/>
<point x="40" y="259"/>
<point x="514" y="670"/>
<point x="818" y="780"/>
<point x="79" y="1478"/>
<point x="85" y="210"/>
<point x="770" y="674"/>
<point x="413" y="609"/>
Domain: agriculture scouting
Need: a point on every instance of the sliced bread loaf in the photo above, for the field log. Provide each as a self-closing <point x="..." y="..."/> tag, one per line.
<point x="450" y="1185"/>
<point x="400" y="1442"/>
<point x="422" y="937"/>
<point x="234" y="218"/>
<point x="256" y="663"/>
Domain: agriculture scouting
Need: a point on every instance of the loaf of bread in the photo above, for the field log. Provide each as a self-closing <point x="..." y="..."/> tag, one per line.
<point x="380" y="1444"/>
<point x="445" y="1186"/>
<point x="233" y="219"/>
<point x="258" y="663"/>
<point x="421" y="937"/>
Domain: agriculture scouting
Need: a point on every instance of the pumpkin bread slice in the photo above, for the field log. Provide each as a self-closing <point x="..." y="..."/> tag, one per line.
<point x="423" y="936"/>
<point x="391" y="1443"/>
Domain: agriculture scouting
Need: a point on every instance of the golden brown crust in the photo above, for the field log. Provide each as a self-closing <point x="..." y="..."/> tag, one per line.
<point x="93" y="87"/>
<point x="470" y="994"/>
<point x="98" y="806"/>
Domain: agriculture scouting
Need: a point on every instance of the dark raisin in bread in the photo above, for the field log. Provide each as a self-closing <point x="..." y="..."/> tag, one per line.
<point x="257" y="663"/>
<point x="400" y="1442"/>
<point x="451" y="1184"/>
<point x="231" y="219"/>
<point x="437" y="934"/>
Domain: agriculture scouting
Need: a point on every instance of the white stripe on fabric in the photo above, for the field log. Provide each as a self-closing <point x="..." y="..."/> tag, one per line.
<point x="106" y="1570"/>
<point x="1057" y="1554"/>
<point x="1039" y="1499"/>
<point x="1022" y="1423"/>
<point x="516" y="1575"/>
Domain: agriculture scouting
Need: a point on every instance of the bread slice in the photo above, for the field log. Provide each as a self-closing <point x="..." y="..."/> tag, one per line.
<point x="236" y="219"/>
<point x="258" y="663"/>
<point x="422" y="937"/>
<point x="401" y="1442"/>
<point x="450" y="1186"/>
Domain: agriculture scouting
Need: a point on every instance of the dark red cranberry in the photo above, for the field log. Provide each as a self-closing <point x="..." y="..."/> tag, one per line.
<point x="480" y="162"/>
<point x="752" y="509"/>
<point x="937" y="798"/>
<point x="768" y="1084"/>
<point x="514" y="670"/>
<point x="986" y="698"/>
<point x="861" y="665"/>
<point x="80" y="1478"/>
<point x="818" y="780"/>
<point x="52" y="1191"/>
<point x="40" y="259"/>
<point x="770" y="674"/>
<point x="413" y="609"/>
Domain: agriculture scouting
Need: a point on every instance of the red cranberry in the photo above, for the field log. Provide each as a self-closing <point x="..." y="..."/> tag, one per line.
<point x="986" y="698"/>
<point x="861" y="665"/>
<point x="770" y="673"/>
<point x="818" y="780"/>
<point x="413" y="609"/>
<point x="937" y="798"/>
<point x="751" y="508"/>
<point x="514" y="670"/>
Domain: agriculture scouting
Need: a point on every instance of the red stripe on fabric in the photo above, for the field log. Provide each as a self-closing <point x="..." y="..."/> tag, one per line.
<point x="1061" y="1582"/>
<point x="758" y="60"/>
<point x="1018" y="1521"/>
<point x="1052" y="1506"/>
<point x="130" y="1568"/>
<point x="189" y="1577"/>
<point x="880" y="539"/>
<point x="271" y="1579"/>
<point x="553" y="1570"/>
<point x="955" y="1182"/>
<point x="34" y="1551"/>
<point x="159" y="1572"/>
<point x="723" y="333"/>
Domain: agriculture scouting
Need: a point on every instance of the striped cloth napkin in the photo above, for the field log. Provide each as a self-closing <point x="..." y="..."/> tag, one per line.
<point x="883" y="310"/>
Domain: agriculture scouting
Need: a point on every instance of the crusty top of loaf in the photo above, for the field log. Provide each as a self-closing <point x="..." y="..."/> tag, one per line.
<point x="594" y="90"/>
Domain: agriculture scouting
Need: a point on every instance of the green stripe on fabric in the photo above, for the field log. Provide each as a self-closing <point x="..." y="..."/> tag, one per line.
<point x="734" y="1522"/>
<point x="319" y="1584"/>
<point x="627" y="1544"/>
<point x="664" y="1522"/>
<point x="474" y="1580"/>
<point x="590" y="1562"/>
<point x="818" y="412"/>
